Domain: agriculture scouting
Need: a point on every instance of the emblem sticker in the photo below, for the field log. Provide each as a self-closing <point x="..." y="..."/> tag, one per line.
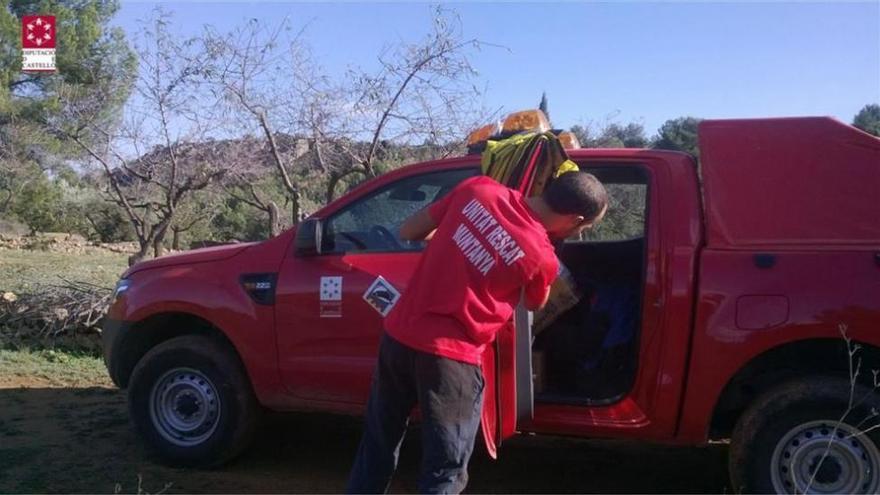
<point x="38" y="43"/>
<point x="381" y="295"/>
<point x="331" y="288"/>
<point x="331" y="297"/>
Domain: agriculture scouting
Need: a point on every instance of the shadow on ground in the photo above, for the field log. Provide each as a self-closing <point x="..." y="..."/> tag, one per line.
<point x="79" y="440"/>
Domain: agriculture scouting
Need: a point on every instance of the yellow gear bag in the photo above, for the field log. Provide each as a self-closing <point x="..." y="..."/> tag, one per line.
<point x="526" y="162"/>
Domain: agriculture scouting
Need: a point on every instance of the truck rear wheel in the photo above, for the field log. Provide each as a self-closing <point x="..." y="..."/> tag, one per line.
<point x="190" y="399"/>
<point x="792" y="440"/>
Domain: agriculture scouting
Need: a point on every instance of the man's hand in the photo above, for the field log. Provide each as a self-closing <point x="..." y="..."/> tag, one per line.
<point x="418" y="227"/>
<point x="536" y="305"/>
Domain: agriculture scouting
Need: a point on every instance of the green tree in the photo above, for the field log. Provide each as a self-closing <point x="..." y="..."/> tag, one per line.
<point x="612" y="135"/>
<point x="631" y="135"/>
<point x="106" y="221"/>
<point x="92" y="59"/>
<point x="39" y="205"/>
<point x="543" y="105"/>
<point x="193" y="218"/>
<point x="626" y="212"/>
<point x="868" y="119"/>
<point x="236" y="220"/>
<point x="95" y="67"/>
<point x="679" y="135"/>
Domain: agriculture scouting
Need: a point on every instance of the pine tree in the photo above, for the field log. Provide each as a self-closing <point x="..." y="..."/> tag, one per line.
<point x="868" y="119"/>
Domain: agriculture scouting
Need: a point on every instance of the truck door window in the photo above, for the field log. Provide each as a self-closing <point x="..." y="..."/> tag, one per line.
<point x="626" y="214"/>
<point x="372" y="224"/>
<point x="587" y="338"/>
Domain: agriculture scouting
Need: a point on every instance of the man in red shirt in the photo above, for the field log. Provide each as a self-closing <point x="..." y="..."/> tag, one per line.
<point x="489" y="248"/>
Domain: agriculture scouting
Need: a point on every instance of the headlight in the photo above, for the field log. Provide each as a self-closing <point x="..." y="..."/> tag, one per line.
<point x="121" y="287"/>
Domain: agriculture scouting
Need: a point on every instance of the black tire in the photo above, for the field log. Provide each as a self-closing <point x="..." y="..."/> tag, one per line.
<point x="785" y="433"/>
<point x="199" y="383"/>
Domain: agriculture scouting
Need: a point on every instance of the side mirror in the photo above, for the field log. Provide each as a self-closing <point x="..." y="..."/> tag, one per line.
<point x="308" y="238"/>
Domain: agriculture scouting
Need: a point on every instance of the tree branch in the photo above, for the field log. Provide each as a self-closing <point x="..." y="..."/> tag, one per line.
<point x="137" y="221"/>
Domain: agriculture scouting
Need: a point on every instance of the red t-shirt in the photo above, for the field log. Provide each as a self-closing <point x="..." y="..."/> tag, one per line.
<point x="489" y="245"/>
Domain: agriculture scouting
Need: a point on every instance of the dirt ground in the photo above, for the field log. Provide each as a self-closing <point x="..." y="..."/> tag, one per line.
<point x="64" y="428"/>
<point x="78" y="439"/>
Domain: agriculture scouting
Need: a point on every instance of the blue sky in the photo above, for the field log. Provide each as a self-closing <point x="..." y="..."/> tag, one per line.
<point x="624" y="61"/>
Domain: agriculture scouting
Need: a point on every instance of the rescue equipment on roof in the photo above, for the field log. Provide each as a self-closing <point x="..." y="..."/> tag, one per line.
<point x="569" y="140"/>
<point x="515" y="123"/>
<point x="527" y="156"/>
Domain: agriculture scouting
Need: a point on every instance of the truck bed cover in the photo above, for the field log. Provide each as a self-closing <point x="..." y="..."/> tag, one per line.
<point x="789" y="181"/>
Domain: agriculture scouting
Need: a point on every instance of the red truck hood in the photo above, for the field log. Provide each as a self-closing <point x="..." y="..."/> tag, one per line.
<point x="203" y="255"/>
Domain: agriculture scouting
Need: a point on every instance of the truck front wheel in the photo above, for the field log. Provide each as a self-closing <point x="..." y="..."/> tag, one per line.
<point x="191" y="401"/>
<point x="808" y="437"/>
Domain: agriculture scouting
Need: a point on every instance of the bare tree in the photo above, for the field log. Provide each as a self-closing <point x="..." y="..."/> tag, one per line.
<point x="248" y="71"/>
<point x="242" y="186"/>
<point x="161" y="152"/>
<point x="197" y="212"/>
<point x="421" y="93"/>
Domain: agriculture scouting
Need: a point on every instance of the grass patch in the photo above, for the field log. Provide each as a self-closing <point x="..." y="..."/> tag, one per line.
<point x="22" y="270"/>
<point x="25" y="367"/>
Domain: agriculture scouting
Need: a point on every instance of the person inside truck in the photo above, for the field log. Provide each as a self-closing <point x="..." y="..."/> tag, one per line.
<point x="490" y="247"/>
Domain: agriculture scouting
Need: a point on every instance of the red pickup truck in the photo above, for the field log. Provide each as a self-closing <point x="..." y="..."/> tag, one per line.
<point x="712" y="310"/>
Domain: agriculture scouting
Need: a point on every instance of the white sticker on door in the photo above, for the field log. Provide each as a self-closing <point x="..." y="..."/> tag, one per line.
<point x="381" y="295"/>
<point x="331" y="288"/>
<point x="330" y="305"/>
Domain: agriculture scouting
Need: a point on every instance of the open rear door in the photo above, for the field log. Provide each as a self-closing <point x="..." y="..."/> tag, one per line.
<point x="508" y="397"/>
<point x="525" y="394"/>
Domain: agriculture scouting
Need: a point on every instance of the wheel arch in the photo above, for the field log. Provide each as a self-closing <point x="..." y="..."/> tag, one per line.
<point x="823" y="356"/>
<point x="151" y="331"/>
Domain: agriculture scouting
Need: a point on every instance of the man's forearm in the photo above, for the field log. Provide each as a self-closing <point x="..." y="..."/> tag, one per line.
<point x="418" y="227"/>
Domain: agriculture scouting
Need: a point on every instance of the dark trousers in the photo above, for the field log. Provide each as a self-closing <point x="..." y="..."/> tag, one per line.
<point x="450" y="398"/>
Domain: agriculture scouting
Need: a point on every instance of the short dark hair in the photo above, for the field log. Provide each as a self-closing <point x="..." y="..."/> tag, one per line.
<point x="576" y="193"/>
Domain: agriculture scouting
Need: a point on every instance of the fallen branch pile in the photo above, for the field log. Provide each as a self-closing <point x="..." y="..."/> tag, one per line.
<point x="53" y="310"/>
